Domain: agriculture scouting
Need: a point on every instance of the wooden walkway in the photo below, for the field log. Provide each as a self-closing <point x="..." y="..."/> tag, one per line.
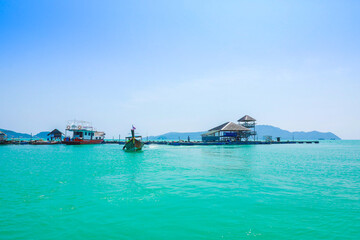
<point x="175" y="143"/>
<point x="199" y="143"/>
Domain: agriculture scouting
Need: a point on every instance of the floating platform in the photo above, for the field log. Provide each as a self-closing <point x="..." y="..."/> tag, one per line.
<point x="199" y="143"/>
<point x="232" y="143"/>
<point x="172" y="143"/>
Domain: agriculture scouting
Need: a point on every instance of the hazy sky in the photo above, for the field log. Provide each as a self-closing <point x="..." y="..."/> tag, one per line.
<point x="180" y="65"/>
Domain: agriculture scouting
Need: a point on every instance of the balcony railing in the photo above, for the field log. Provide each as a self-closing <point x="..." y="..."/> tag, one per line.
<point x="248" y="125"/>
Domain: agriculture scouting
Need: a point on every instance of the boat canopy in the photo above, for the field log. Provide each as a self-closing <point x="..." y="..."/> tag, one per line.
<point x="75" y="125"/>
<point x="134" y="137"/>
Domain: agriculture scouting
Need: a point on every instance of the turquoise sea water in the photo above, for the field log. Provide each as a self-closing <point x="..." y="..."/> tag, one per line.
<point x="181" y="192"/>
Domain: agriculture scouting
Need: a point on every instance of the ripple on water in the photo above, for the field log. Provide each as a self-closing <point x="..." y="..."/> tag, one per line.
<point x="208" y="192"/>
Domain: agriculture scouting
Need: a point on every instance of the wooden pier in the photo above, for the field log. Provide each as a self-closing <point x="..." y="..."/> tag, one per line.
<point x="233" y="143"/>
<point x="200" y="143"/>
<point x="172" y="143"/>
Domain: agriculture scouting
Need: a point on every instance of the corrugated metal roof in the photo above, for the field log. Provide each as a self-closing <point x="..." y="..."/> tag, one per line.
<point x="209" y="133"/>
<point x="55" y="131"/>
<point x="246" y="118"/>
<point x="229" y="126"/>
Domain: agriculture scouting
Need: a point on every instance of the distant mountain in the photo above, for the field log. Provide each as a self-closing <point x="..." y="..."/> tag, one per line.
<point x="12" y="134"/>
<point x="262" y="130"/>
<point x="43" y="135"/>
<point x="176" y="136"/>
<point x="267" y="130"/>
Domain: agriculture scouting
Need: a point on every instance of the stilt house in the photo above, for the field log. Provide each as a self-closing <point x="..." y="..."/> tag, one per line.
<point x="55" y="135"/>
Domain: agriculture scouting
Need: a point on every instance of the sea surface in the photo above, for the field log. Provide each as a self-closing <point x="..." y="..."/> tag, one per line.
<point x="299" y="191"/>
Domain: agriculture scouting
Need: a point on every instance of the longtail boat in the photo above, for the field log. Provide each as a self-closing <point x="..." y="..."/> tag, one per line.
<point x="133" y="143"/>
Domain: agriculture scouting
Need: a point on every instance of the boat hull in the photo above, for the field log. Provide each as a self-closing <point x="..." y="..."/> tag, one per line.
<point x="83" y="142"/>
<point x="40" y="143"/>
<point x="133" y="146"/>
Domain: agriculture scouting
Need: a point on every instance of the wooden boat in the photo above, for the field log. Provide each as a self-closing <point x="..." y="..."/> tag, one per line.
<point x="39" y="142"/>
<point x="133" y="143"/>
<point x="5" y="142"/>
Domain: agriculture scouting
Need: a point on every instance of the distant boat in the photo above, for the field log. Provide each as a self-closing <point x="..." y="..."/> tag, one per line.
<point x="83" y="133"/>
<point x="133" y="143"/>
<point x="42" y="142"/>
<point x="39" y="142"/>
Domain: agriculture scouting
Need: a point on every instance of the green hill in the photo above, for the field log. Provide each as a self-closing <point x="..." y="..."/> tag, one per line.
<point x="42" y="135"/>
<point x="12" y="134"/>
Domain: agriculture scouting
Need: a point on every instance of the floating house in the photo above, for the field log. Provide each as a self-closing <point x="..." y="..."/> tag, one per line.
<point x="226" y="132"/>
<point x="229" y="131"/>
<point x="249" y="123"/>
<point x="3" y="136"/>
<point x="55" y="135"/>
<point x="82" y="133"/>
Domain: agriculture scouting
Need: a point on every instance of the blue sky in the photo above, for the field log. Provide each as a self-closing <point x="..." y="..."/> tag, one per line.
<point x="180" y="65"/>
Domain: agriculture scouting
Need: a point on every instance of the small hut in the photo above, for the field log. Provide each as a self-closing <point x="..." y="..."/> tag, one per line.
<point x="99" y="135"/>
<point x="3" y="136"/>
<point x="55" y="135"/>
<point x="228" y="131"/>
<point x="248" y="122"/>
